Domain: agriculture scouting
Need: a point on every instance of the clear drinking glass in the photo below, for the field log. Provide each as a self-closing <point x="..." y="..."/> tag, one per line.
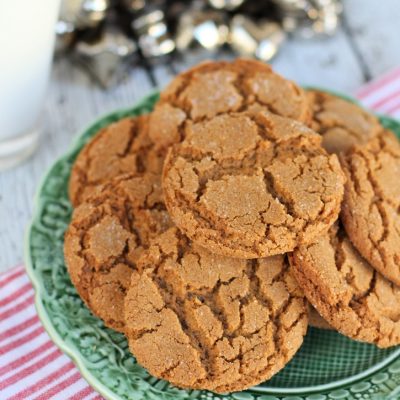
<point x="27" y="32"/>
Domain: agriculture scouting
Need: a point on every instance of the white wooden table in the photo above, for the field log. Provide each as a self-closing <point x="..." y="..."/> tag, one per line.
<point x="367" y="45"/>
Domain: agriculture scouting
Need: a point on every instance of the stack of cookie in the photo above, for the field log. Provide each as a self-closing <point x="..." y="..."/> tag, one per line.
<point x="204" y="230"/>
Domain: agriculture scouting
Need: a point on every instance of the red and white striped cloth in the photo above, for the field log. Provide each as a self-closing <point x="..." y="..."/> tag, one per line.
<point x="31" y="366"/>
<point x="383" y="94"/>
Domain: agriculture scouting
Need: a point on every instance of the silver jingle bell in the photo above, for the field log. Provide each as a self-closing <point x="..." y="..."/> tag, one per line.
<point x="202" y="28"/>
<point x="328" y="16"/>
<point x="228" y="5"/>
<point x="261" y="40"/>
<point x="293" y="7"/>
<point x="152" y="33"/>
<point x="108" y="58"/>
<point x="134" y="5"/>
<point x="65" y="35"/>
<point x="84" y="13"/>
<point x="310" y="17"/>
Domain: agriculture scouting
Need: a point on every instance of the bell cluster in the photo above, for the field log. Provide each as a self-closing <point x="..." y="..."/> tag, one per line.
<point x="108" y="36"/>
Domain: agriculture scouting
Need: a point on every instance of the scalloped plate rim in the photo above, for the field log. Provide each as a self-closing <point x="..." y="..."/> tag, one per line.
<point x="73" y="353"/>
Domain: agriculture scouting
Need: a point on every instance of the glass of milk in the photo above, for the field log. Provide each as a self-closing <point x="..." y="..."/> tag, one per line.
<point x="27" y="32"/>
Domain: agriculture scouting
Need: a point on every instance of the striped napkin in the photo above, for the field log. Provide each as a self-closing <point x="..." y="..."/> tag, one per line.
<point x="383" y="94"/>
<point x="31" y="366"/>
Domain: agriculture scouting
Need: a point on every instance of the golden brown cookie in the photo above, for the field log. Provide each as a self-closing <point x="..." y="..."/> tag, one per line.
<point x="316" y="321"/>
<point x="252" y="185"/>
<point x="105" y="237"/>
<point x="371" y="204"/>
<point x="203" y="321"/>
<point x="213" y="88"/>
<point x="122" y="147"/>
<point x="341" y="123"/>
<point x="348" y="293"/>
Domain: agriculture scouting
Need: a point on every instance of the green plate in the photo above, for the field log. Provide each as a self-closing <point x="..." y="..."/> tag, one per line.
<point x="328" y="365"/>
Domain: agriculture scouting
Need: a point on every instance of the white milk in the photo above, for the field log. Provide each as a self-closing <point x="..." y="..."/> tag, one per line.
<point x="26" y="45"/>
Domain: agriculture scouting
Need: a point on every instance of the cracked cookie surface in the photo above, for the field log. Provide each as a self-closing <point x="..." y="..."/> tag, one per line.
<point x="203" y="321"/>
<point x="107" y="234"/>
<point x="122" y="147"/>
<point x="371" y="204"/>
<point x="252" y="185"/>
<point x="219" y="87"/>
<point x="341" y="123"/>
<point x="351" y="295"/>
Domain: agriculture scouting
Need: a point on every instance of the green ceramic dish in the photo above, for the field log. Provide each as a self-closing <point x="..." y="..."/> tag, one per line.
<point x="328" y="365"/>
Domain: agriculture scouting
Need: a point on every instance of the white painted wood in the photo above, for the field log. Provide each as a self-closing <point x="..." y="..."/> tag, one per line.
<point x="73" y="100"/>
<point x="327" y="62"/>
<point x="163" y="74"/>
<point x="375" y="27"/>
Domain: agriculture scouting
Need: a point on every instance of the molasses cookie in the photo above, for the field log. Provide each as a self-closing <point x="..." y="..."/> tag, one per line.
<point x="371" y="205"/>
<point x="122" y="147"/>
<point x="315" y="320"/>
<point x="106" y="235"/>
<point x="347" y="291"/>
<point x="341" y="123"/>
<point x="203" y="321"/>
<point x="251" y="185"/>
<point x="219" y="87"/>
